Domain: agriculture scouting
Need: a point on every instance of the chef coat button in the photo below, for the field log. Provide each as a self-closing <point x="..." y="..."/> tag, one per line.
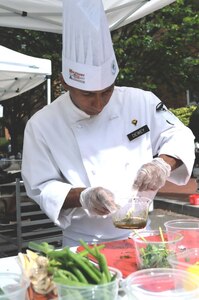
<point x="79" y="126"/>
<point x="93" y="172"/>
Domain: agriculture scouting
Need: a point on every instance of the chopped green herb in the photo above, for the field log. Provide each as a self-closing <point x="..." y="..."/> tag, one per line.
<point x="154" y="257"/>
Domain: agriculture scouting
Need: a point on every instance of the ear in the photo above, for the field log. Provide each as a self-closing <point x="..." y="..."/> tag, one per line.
<point x="64" y="84"/>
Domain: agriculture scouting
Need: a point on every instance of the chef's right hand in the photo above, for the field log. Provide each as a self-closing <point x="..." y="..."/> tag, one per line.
<point x="97" y="201"/>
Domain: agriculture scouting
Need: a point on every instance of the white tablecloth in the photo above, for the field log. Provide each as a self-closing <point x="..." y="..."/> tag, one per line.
<point x="10" y="264"/>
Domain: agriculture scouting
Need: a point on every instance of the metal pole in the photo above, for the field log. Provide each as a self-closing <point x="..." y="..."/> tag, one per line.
<point x="18" y="215"/>
<point x="48" y="77"/>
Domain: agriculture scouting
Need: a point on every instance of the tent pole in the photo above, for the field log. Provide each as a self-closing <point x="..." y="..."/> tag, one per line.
<point x="48" y="77"/>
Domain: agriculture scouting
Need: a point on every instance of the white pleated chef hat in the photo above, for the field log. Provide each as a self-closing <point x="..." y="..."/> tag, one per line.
<point x="88" y="58"/>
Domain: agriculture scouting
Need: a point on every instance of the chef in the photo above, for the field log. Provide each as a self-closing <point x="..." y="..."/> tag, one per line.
<point x="98" y="141"/>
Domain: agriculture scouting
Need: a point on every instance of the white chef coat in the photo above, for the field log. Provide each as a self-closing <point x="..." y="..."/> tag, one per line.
<point x="64" y="148"/>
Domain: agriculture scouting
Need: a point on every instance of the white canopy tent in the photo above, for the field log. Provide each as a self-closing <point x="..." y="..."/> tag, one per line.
<point x="46" y="15"/>
<point x="20" y="73"/>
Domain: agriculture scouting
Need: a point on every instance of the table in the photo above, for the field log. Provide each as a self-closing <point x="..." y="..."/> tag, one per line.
<point x="10" y="264"/>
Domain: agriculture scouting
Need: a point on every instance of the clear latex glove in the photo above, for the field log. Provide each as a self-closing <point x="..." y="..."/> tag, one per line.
<point x="153" y="175"/>
<point x="97" y="201"/>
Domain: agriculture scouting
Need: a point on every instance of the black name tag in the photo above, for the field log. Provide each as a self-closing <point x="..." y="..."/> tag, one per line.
<point x="133" y="135"/>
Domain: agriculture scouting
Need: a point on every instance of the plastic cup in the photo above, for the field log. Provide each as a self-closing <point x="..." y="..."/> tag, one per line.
<point x="152" y="250"/>
<point x="160" y="283"/>
<point x="189" y="228"/>
<point x="13" y="286"/>
<point x="133" y="215"/>
<point x="107" y="291"/>
<point x="187" y="260"/>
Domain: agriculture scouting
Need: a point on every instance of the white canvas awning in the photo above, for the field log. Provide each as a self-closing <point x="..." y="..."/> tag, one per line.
<point x="20" y="73"/>
<point x="46" y="15"/>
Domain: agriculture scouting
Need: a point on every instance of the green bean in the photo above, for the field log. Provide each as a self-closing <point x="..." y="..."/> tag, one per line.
<point x="66" y="281"/>
<point x="85" y="268"/>
<point x="90" y="250"/>
<point x="87" y="251"/>
<point x="65" y="274"/>
<point x="54" y="263"/>
<point x="92" y="266"/>
<point x="42" y="247"/>
<point x="59" y="254"/>
<point x="79" y="274"/>
<point x="103" y="264"/>
<point x="114" y="277"/>
<point x="100" y="259"/>
<point x="103" y="278"/>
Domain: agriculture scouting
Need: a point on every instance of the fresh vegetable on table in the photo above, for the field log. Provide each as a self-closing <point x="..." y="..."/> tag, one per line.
<point x="154" y="257"/>
<point x="194" y="269"/>
<point x="35" y="267"/>
<point x="193" y="273"/>
<point x="47" y="266"/>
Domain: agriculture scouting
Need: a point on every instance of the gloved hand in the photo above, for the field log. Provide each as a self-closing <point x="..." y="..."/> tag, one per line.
<point x="153" y="175"/>
<point x="97" y="201"/>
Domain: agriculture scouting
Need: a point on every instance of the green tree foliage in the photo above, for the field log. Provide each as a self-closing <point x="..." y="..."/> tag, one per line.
<point x="160" y="52"/>
<point x="190" y="117"/>
<point x="184" y="113"/>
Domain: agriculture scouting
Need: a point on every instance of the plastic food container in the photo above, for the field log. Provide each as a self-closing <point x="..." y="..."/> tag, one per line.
<point x="189" y="228"/>
<point x="152" y="249"/>
<point x="106" y="291"/>
<point x="133" y="215"/>
<point x="161" y="283"/>
<point x="187" y="260"/>
<point x="13" y="286"/>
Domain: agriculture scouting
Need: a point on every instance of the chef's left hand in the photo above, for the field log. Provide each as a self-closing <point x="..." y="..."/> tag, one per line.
<point x="152" y="176"/>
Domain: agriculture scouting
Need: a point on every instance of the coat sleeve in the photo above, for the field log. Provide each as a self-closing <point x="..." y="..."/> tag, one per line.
<point x="171" y="137"/>
<point x="42" y="178"/>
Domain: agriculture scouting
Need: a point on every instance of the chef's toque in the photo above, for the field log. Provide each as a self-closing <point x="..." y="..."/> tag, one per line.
<point x="88" y="58"/>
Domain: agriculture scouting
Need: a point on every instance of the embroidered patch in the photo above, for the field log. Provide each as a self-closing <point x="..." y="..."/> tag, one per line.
<point x="76" y="76"/>
<point x="133" y="135"/>
<point x="160" y="107"/>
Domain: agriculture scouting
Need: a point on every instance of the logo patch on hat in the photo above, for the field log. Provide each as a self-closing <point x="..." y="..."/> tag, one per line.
<point x="113" y="67"/>
<point x="76" y="76"/>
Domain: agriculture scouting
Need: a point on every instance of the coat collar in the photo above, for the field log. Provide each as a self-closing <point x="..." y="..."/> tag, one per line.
<point x="75" y="115"/>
